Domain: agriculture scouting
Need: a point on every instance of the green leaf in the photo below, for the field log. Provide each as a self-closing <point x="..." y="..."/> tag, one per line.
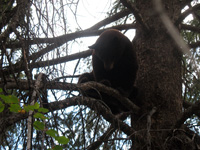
<point x="29" y="107"/>
<point x="38" y="125"/>
<point x="9" y="99"/>
<point x="39" y="115"/>
<point x="15" y="108"/>
<point x="36" y="105"/>
<point x="62" y="139"/>
<point x="26" y="108"/>
<point x="32" y="107"/>
<point x="1" y="90"/>
<point x="43" y="110"/>
<point x="52" y="133"/>
<point x="2" y="106"/>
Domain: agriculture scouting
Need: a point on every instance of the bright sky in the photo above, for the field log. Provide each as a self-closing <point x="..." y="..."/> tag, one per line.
<point x="90" y="12"/>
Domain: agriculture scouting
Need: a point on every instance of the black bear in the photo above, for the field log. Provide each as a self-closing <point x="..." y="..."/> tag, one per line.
<point x="114" y="62"/>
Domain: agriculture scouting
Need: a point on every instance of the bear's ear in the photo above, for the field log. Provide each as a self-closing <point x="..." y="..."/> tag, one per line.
<point x="93" y="46"/>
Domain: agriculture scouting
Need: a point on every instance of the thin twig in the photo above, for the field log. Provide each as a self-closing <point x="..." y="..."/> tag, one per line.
<point x="149" y="127"/>
<point x="30" y="116"/>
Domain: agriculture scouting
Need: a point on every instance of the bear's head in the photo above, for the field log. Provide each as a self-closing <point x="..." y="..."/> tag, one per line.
<point x="109" y="47"/>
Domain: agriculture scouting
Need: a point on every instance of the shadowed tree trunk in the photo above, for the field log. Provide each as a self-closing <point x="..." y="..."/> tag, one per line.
<point x="159" y="75"/>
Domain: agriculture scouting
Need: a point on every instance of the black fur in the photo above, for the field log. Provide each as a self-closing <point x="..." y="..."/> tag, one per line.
<point x="114" y="64"/>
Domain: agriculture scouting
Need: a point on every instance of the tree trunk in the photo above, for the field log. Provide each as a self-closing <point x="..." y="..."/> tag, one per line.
<point x="159" y="76"/>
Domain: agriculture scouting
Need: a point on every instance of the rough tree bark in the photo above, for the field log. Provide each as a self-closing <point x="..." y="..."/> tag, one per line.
<point x="159" y="76"/>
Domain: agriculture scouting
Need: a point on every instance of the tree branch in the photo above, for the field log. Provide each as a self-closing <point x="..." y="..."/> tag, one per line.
<point x="107" y="134"/>
<point x="84" y="86"/>
<point x="186" y="104"/>
<point x="30" y="113"/>
<point x="21" y="66"/>
<point x="186" y="13"/>
<point x="136" y="13"/>
<point x="12" y="25"/>
<point x="16" y="45"/>
<point x="17" y="67"/>
<point x="195" y="45"/>
<point x="187" y="114"/>
<point x="111" y="92"/>
<point x="149" y="116"/>
<point x="98" y="107"/>
<point x="193" y="108"/>
<point x="58" y="41"/>
<point x="189" y="27"/>
<point x="104" y="137"/>
<point x="111" y="19"/>
<point x="67" y="58"/>
<point x="185" y="2"/>
<point x="88" y="32"/>
<point x="77" y="100"/>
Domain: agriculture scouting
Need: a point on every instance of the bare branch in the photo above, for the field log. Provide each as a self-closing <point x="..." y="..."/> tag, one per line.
<point x="71" y="36"/>
<point x="85" y="86"/>
<point x="107" y="134"/>
<point x="68" y="58"/>
<point x="12" y="25"/>
<point x="195" y="45"/>
<point x="88" y="32"/>
<point x="60" y="40"/>
<point x="10" y="119"/>
<point x="75" y="56"/>
<point x="91" y="103"/>
<point x="15" y="45"/>
<point x="111" y="92"/>
<point x="21" y="66"/>
<point x="94" y="105"/>
<point x="30" y="113"/>
<point x="186" y="104"/>
<point x="185" y="2"/>
<point x="136" y="13"/>
<point x="187" y="114"/>
<point x="110" y="19"/>
<point x="186" y="13"/>
<point x="149" y="127"/>
<point x="104" y="137"/>
<point x="189" y="27"/>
